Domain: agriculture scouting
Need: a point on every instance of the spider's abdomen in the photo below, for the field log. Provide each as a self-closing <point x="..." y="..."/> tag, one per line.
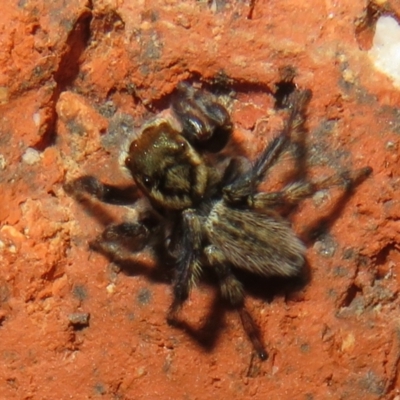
<point x="258" y="242"/>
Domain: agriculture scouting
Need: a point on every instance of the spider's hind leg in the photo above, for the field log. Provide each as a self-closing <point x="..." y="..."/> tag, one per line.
<point x="232" y="291"/>
<point x="231" y="288"/>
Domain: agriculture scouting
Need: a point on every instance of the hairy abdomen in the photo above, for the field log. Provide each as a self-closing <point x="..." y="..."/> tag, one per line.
<point x="258" y="242"/>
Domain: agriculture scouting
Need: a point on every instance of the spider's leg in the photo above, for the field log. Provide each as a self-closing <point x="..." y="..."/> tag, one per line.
<point x="118" y="241"/>
<point x="246" y="185"/>
<point x="232" y="290"/>
<point x="188" y="266"/>
<point x="296" y="192"/>
<point x="88" y="186"/>
<point x="251" y="330"/>
<point x="200" y="114"/>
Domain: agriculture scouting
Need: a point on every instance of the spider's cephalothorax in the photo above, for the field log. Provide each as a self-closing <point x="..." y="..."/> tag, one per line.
<point x="204" y="214"/>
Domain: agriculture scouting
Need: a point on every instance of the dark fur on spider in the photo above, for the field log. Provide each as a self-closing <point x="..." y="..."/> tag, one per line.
<point x="209" y="214"/>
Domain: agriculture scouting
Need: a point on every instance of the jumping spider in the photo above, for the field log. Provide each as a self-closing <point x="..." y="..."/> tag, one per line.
<point x="202" y="214"/>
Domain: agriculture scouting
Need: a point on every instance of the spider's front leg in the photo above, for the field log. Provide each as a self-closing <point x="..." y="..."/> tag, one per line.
<point x="245" y="186"/>
<point x="117" y="241"/>
<point x="89" y="186"/>
<point x="203" y="119"/>
<point x="188" y="266"/>
<point x="123" y="240"/>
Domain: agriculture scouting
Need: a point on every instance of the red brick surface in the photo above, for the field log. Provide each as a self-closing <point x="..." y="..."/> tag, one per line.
<point x="71" y="71"/>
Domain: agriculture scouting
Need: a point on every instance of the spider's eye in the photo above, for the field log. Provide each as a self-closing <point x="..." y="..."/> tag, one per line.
<point x="147" y="181"/>
<point x="128" y="160"/>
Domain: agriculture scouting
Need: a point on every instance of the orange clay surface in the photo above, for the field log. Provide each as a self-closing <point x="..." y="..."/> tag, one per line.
<point x="72" y="325"/>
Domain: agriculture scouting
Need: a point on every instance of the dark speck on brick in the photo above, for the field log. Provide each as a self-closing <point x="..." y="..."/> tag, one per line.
<point x="144" y="296"/>
<point x="79" y="292"/>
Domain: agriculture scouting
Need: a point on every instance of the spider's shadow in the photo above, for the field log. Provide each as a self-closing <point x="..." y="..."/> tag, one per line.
<point x="207" y="335"/>
<point x="263" y="288"/>
<point x="127" y="263"/>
